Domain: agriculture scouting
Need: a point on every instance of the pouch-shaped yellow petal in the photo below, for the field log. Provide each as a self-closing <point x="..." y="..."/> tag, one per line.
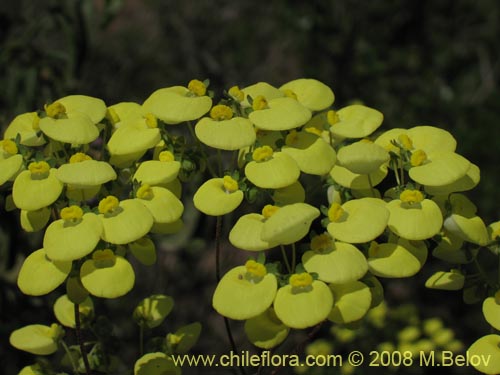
<point x="266" y="331"/>
<point x="443" y="169"/>
<point x="312" y="154"/>
<point x="463" y="221"/>
<point x="303" y="308"/>
<point x="66" y="240"/>
<point x="153" y="310"/>
<point x="240" y="297"/>
<point x="144" y="250"/>
<point x="491" y="310"/>
<point x="465" y="183"/>
<point x="356" y="121"/>
<point x="131" y="221"/>
<point x="352" y="302"/>
<point x="123" y="111"/>
<point x="294" y="193"/>
<point x="487" y="348"/>
<point x="163" y="205"/>
<point x="453" y="280"/>
<point x="362" y="157"/>
<point x="212" y="198"/>
<point x="133" y="137"/>
<point x="156" y="172"/>
<point x="278" y="172"/>
<point x="171" y="105"/>
<point x="33" y="221"/>
<point x="261" y="89"/>
<point x="64" y="310"/>
<point x="126" y="160"/>
<point x="311" y="93"/>
<point x="155" y="364"/>
<point x="26" y="125"/>
<point x="94" y="108"/>
<point x="37" y="338"/>
<point x="417" y="221"/>
<point x="31" y="193"/>
<point x="39" y="275"/>
<point x="363" y="220"/>
<point x="86" y="173"/>
<point x="289" y="224"/>
<point x="282" y="114"/>
<point x="348" y="179"/>
<point x="9" y="167"/>
<point x="110" y="277"/>
<point x="340" y="264"/>
<point x="77" y="128"/>
<point x="431" y="139"/>
<point x="232" y="134"/>
<point x="246" y="233"/>
<point x="401" y="259"/>
<point x="386" y="139"/>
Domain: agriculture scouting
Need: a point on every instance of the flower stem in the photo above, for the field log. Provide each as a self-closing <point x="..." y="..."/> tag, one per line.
<point x="285" y="259"/>
<point x="294" y="257"/>
<point x="80" y="340"/>
<point x="70" y="356"/>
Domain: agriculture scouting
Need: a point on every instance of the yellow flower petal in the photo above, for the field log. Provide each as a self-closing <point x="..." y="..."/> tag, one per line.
<point x="155" y="172"/>
<point x="465" y="183"/>
<point x="153" y="310"/>
<point x="491" y="310"/>
<point x="133" y="137"/>
<point x="311" y="93"/>
<point x="356" y="121"/>
<point x="33" y="221"/>
<point x="246" y="233"/>
<point x="266" y="331"/>
<point x="261" y="89"/>
<point x="431" y="139"/>
<point x="164" y="206"/>
<point x="64" y="310"/>
<point x="282" y="114"/>
<point x="352" y="302"/>
<point x="442" y="169"/>
<point x="486" y="348"/>
<point x="27" y="126"/>
<point x="240" y="297"/>
<point x="171" y="105"/>
<point x="453" y="280"/>
<point x="278" y="172"/>
<point x="94" y="108"/>
<point x="37" y="338"/>
<point x="77" y="128"/>
<point x="123" y="112"/>
<point x="32" y="193"/>
<point x="213" y="199"/>
<point x="86" y="173"/>
<point x="232" y="134"/>
<point x="294" y="193"/>
<point x="348" y="179"/>
<point x="9" y="167"/>
<point x="39" y="275"/>
<point x="144" y="250"/>
<point x="362" y="157"/>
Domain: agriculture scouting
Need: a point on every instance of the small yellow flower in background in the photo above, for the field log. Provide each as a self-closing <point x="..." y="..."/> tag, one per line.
<point x="262" y="153"/>
<point x="269" y="210"/>
<point x="259" y="103"/>
<point x="151" y="120"/>
<point x="418" y="157"/>
<point x="55" y="110"/>
<point x="152" y="311"/>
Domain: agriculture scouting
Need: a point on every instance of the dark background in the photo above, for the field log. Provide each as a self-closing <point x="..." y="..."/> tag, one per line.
<point x="418" y="62"/>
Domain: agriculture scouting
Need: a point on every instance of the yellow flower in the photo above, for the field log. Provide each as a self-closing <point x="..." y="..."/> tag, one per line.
<point x="221" y="112"/>
<point x="280" y="114"/>
<point x="236" y="93"/>
<point x="225" y="132"/>
<point x="362" y="157"/>
<point x="311" y="93"/>
<point x="10" y="161"/>
<point x="266" y="331"/>
<point x="246" y="233"/>
<point x="215" y="199"/>
<point x="352" y="302"/>
<point x="27" y="126"/>
<point x="272" y="170"/>
<point x="356" y="121"/>
<point x="37" y="338"/>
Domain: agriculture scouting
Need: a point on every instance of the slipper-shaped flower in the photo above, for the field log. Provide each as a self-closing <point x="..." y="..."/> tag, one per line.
<point x="84" y="172"/>
<point x="123" y="112"/>
<point x="431" y="139"/>
<point x="352" y="302"/>
<point x="488" y="349"/>
<point x="363" y="157"/>
<point x="156" y="363"/>
<point x="355" y="121"/>
<point x="11" y="162"/>
<point x="348" y="179"/>
<point x="218" y="196"/>
<point x="33" y="221"/>
<point x="94" y="108"/>
<point x="36" y="187"/>
<point x="304" y="302"/>
<point x="334" y="262"/>
<point x="27" y="125"/>
<point x="223" y="131"/>
<point x="245" y="291"/>
<point x="107" y="275"/>
<point x="40" y="275"/>
<point x="134" y="137"/>
<point x="358" y="220"/>
<point x="266" y="331"/>
<point x="413" y="217"/>
<point x="271" y="170"/>
<point x="311" y="93"/>
<point x="144" y="250"/>
<point x="246" y="233"/>
<point x="262" y="89"/>
<point x="452" y="280"/>
<point x="280" y="114"/>
<point x="158" y="172"/>
<point x="289" y="224"/>
<point x="491" y="310"/>
<point x="400" y="259"/>
<point x="176" y="104"/>
<point x="162" y="204"/>
<point x="463" y="221"/>
<point x="62" y="125"/>
<point x="465" y="183"/>
<point x="312" y="154"/>
<point x="153" y="310"/>
<point x="64" y="311"/>
<point x="438" y="169"/>
<point x="73" y="236"/>
<point x="124" y="221"/>
<point x="37" y="339"/>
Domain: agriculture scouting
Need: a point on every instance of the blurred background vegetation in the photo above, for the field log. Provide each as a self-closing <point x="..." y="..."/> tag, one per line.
<point x="419" y="62"/>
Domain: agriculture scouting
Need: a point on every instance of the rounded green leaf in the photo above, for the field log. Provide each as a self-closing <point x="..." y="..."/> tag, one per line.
<point x="65" y="240"/>
<point x="341" y="264"/>
<point x="39" y="275"/>
<point x="32" y="194"/>
<point x="232" y="134"/>
<point x="266" y="331"/>
<point x="303" y="308"/>
<point x="239" y="297"/>
<point x="352" y="302"/>
<point x="152" y="311"/>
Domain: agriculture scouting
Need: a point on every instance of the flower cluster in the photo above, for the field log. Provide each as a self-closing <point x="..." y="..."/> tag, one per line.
<point x="344" y="202"/>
